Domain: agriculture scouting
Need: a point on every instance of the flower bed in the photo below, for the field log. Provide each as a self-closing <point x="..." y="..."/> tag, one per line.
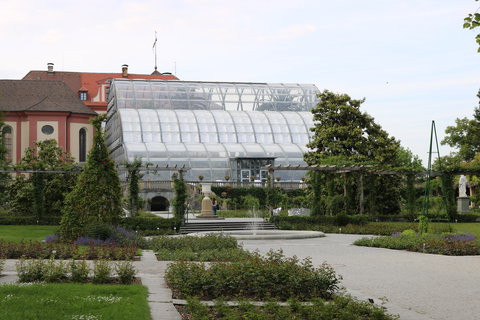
<point x="36" y="249"/>
<point x="205" y="248"/>
<point x="340" y="307"/>
<point x="446" y="244"/>
<point x="75" y="271"/>
<point x="257" y="278"/>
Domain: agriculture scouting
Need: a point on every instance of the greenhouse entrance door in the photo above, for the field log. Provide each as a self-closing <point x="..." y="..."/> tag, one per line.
<point x="250" y="169"/>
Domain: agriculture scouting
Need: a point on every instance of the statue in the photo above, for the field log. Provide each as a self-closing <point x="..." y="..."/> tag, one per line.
<point x="462" y="186"/>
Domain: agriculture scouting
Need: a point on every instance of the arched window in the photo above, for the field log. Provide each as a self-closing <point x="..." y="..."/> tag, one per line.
<point x="8" y="141"/>
<point x="82" y="145"/>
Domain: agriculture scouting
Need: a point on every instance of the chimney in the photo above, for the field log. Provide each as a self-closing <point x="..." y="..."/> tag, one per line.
<point x="125" y="70"/>
<point x="50" y="67"/>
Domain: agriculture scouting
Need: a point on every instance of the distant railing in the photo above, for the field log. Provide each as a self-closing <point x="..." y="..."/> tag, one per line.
<point x="146" y="186"/>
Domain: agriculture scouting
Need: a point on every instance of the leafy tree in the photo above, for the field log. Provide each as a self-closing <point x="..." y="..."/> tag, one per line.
<point x="4" y="177"/>
<point x="96" y="198"/>
<point x="465" y="135"/>
<point x="134" y="177"/>
<point x="180" y="199"/>
<point x="342" y="130"/>
<point x="472" y="21"/>
<point x="344" y="135"/>
<point x="46" y="191"/>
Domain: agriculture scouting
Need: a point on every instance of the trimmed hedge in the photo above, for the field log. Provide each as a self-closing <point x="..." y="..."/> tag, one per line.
<point x="339" y="220"/>
<point x="30" y="220"/>
<point x="148" y="224"/>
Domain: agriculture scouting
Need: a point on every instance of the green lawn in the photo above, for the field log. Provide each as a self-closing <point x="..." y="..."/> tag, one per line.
<point x="19" y="233"/>
<point x="473" y="228"/>
<point x="73" y="301"/>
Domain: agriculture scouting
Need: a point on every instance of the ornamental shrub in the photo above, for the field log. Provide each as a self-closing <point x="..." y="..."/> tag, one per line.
<point x="96" y="198"/>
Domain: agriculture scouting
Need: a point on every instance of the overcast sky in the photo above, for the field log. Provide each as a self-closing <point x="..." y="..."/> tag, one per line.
<point x="410" y="59"/>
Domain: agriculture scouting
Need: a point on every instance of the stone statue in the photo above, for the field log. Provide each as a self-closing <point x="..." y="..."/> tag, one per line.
<point x="462" y="186"/>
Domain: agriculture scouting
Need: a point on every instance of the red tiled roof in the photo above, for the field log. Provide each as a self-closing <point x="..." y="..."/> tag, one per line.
<point x="90" y="81"/>
<point x="43" y="95"/>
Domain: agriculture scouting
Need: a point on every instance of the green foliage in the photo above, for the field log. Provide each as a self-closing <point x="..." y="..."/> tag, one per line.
<point x="4" y="177"/>
<point x="43" y="192"/>
<point x="180" y="200"/>
<point x="342" y="306"/>
<point x="149" y="225"/>
<point x="250" y="202"/>
<point x="134" y="176"/>
<point x="453" y="245"/>
<point x="29" y="220"/>
<point x="102" y="271"/>
<point x="96" y="198"/>
<point x="259" y="278"/>
<point x="465" y="135"/>
<point x="449" y="195"/>
<point x="210" y="247"/>
<point x="472" y="21"/>
<point x="79" y="270"/>
<point x="343" y="131"/>
<point x="423" y="224"/>
<point x="126" y="271"/>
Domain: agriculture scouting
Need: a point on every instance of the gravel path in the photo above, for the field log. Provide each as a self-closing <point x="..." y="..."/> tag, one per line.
<point x="418" y="286"/>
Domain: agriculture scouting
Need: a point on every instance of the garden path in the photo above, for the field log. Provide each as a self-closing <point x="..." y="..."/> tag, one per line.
<point x="418" y="286"/>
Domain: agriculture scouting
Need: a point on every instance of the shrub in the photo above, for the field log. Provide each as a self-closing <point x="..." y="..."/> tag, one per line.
<point x="274" y="276"/>
<point x="450" y="244"/>
<point x="30" y="270"/>
<point x="55" y="271"/>
<point x="340" y="307"/>
<point x="125" y="271"/>
<point x="409" y="233"/>
<point x="102" y="271"/>
<point x="2" y="264"/>
<point x="78" y="271"/>
<point x="148" y="224"/>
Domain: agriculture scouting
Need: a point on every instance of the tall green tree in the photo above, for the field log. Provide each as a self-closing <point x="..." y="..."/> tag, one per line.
<point x="42" y="192"/>
<point x="465" y="135"/>
<point x="344" y="135"/>
<point x="96" y="198"/>
<point x="4" y="177"/>
<point x="180" y="199"/>
<point x="342" y="130"/>
<point x="471" y="22"/>
<point x="133" y="178"/>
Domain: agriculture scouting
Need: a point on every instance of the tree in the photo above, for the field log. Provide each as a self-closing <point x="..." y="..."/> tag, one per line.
<point x="472" y="21"/>
<point x="180" y="199"/>
<point x="465" y="135"/>
<point x="4" y="177"/>
<point x="344" y="135"/>
<point x="96" y="197"/>
<point x="134" y="177"/>
<point x="343" y="131"/>
<point x="41" y="191"/>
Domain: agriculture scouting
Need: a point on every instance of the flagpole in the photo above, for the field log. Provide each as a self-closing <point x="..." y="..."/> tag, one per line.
<point x="155" y="49"/>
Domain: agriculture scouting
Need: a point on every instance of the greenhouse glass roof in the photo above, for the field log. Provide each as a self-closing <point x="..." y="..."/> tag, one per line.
<point x="141" y="94"/>
<point x="209" y="137"/>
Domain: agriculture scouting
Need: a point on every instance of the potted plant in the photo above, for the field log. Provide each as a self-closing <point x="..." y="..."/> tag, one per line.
<point x="200" y="177"/>
<point x="227" y="178"/>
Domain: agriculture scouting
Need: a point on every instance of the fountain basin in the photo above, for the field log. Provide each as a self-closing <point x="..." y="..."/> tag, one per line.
<point x="265" y="234"/>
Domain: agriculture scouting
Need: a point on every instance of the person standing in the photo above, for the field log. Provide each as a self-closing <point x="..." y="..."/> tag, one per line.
<point x="214" y="206"/>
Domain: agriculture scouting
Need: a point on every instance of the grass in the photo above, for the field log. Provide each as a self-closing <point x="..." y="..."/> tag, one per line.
<point x="25" y="233"/>
<point x="73" y="301"/>
<point x="473" y="228"/>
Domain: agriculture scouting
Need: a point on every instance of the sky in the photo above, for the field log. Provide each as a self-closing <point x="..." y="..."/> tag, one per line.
<point x="411" y="60"/>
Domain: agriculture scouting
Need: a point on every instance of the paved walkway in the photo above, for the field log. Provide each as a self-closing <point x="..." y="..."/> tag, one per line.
<point x="418" y="286"/>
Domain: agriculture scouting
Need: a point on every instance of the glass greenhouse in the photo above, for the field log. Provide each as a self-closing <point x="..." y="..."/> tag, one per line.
<point x="216" y="129"/>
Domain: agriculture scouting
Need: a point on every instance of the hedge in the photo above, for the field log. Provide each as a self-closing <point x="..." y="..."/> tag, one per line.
<point x="148" y="223"/>
<point x="30" y="220"/>
<point x="339" y="220"/>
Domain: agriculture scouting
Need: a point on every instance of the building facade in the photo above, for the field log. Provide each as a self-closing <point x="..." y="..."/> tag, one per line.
<point x="220" y="130"/>
<point x="42" y="110"/>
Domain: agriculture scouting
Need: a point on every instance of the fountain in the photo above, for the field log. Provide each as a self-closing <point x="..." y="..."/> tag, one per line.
<point x="254" y="233"/>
